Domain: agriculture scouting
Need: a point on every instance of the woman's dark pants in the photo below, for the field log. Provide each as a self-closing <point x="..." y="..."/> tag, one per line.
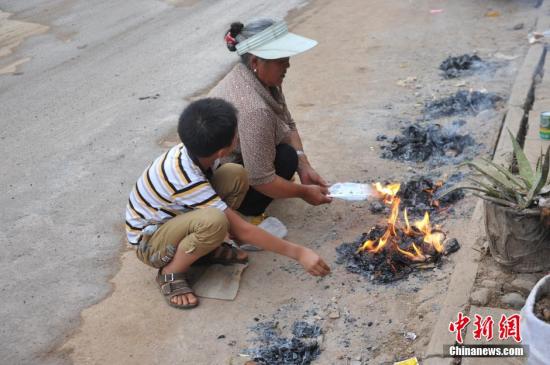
<point x="286" y="164"/>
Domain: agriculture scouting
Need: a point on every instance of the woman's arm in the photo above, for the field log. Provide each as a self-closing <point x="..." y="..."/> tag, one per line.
<point x="281" y="188"/>
<point x="308" y="175"/>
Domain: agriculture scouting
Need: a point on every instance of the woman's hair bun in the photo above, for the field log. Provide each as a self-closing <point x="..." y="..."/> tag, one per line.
<point x="236" y="29"/>
<point x="230" y="37"/>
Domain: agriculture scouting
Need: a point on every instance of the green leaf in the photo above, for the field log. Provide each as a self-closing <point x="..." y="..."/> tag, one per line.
<point x="525" y="182"/>
<point x="540" y="179"/>
<point x="488" y="170"/>
<point x="441" y="193"/>
<point x="543" y="171"/>
<point x="545" y="190"/>
<point x="497" y="192"/>
<point x="546" y="168"/>
<point x="518" y="180"/>
<point x="524" y="166"/>
<point x="498" y="201"/>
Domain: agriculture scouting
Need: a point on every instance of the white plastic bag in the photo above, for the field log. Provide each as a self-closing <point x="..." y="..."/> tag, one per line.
<point x="534" y="332"/>
<point x="274" y="226"/>
<point x="271" y="225"/>
<point x="351" y="191"/>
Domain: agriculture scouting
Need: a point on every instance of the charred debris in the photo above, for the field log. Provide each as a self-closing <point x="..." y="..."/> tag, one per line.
<point x="463" y="65"/>
<point x="388" y="266"/>
<point x="417" y="194"/>
<point x="463" y="102"/>
<point x="434" y="143"/>
<point x="273" y="348"/>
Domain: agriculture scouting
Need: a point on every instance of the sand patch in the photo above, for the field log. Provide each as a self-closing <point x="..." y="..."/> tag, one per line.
<point x="12" y="34"/>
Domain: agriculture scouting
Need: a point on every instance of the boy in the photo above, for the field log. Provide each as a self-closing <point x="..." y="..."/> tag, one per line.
<point x="182" y="207"/>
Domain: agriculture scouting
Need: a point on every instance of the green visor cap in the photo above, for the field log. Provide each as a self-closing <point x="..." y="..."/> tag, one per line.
<point x="275" y="42"/>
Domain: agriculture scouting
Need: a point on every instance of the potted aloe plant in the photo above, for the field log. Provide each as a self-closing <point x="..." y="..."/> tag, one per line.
<point x="517" y="208"/>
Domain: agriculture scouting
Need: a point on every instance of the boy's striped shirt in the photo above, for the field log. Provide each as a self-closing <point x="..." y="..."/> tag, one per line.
<point x="173" y="184"/>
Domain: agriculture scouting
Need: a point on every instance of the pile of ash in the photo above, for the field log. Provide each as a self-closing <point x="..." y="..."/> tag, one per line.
<point x="454" y="67"/>
<point x="300" y="349"/>
<point x="464" y="102"/>
<point x="386" y="267"/>
<point x="419" y="143"/>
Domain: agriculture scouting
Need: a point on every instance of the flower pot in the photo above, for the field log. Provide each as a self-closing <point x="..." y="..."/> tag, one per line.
<point x="518" y="240"/>
<point x="534" y="332"/>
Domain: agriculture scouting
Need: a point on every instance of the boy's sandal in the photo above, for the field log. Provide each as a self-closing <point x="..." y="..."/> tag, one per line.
<point x="173" y="285"/>
<point x="226" y="254"/>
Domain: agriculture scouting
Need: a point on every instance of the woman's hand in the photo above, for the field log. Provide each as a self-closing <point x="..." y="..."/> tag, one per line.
<point x="315" y="194"/>
<point x="308" y="176"/>
<point x="312" y="262"/>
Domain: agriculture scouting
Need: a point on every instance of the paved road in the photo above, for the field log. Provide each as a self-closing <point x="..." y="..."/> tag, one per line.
<point x="75" y="136"/>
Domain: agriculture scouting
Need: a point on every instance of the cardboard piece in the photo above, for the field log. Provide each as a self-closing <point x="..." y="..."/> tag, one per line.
<point x="217" y="281"/>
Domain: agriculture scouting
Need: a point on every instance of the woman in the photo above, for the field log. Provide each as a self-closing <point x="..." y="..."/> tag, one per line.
<point x="269" y="146"/>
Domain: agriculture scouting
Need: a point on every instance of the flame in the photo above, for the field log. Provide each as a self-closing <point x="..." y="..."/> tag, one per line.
<point x="387" y="192"/>
<point x="414" y="256"/>
<point x="383" y="240"/>
<point x="394" y="212"/>
<point x="434" y="239"/>
<point x="389" y="239"/>
<point x="408" y="229"/>
<point x="423" y="225"/>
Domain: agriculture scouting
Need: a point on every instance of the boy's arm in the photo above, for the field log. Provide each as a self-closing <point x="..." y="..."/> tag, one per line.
<point x="249" y="233"/>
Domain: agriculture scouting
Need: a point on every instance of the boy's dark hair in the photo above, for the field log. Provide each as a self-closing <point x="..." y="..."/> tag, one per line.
<point x="207" y="125"/>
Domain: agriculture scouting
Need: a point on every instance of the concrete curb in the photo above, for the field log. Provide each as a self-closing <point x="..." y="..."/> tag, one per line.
<point x="463" y="278"/>
<point x="520" y="100"/>
<point x="523" y="85"/>
<point x="458" y="293"/>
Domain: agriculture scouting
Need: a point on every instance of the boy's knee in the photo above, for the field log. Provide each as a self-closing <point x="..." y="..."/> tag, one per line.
<point x="237" y="173"/>
<point x="231" y="183"/>
<point x="213" y="227"/>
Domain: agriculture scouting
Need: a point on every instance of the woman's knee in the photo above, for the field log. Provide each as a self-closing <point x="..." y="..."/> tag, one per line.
<point x="286" y="161"/>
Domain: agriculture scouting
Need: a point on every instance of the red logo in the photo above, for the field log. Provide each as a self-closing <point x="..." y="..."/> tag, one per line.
<point x="483" y="327"/>
<point x="508" y="326"/>
<point x="459" y="325"/>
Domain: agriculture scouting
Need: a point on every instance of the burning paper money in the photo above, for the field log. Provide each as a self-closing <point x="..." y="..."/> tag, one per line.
<point x="352" y="191"/>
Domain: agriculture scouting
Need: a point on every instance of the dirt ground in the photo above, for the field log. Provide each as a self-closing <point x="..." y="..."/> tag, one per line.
<point x="342" y="94"/>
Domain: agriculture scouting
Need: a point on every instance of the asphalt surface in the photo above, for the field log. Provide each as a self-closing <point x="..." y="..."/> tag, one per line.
<point x="75" y="136"/>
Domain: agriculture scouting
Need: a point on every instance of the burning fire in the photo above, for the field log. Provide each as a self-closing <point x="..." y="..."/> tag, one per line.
<point x="427" y="241"/>
<point x="387" y="192"/>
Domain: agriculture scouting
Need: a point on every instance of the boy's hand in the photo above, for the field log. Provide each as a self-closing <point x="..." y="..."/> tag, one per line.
<point x="315" y="194"/>
<point x="312" y="262"/>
